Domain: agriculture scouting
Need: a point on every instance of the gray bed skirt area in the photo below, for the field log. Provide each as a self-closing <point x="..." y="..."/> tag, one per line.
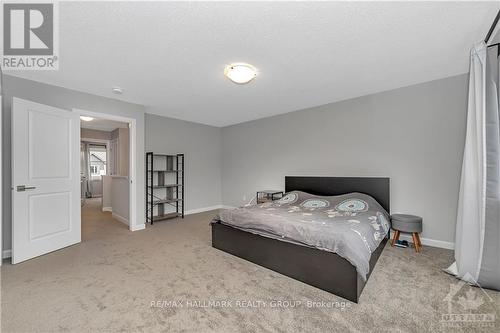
<point x="321" y="269"/>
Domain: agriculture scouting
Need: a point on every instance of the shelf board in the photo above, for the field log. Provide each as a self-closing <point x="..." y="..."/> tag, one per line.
<point x="166" y="186"/>
<point x="166" y="170"/>
<point x="166" y="201"/>
<point x="168" y="155"/>
<point x="166" y="216"/>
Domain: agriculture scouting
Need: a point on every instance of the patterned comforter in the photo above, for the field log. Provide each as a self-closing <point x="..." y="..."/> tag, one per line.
<point x="351" y="225"/>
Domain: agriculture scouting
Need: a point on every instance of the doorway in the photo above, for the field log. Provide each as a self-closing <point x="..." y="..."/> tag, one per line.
<point x="105" y="174"/>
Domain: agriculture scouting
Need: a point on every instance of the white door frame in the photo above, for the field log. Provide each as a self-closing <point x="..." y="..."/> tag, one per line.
<point x="132" y="159"/>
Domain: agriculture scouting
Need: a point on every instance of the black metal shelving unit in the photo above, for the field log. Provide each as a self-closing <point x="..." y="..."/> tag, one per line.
<point x="164" y="186"/>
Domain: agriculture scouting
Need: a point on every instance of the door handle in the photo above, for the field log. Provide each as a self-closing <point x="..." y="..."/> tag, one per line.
<point x="22" y="188"/>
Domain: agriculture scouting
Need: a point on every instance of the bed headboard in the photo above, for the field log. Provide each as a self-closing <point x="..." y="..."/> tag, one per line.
<point x="377" y="187"/>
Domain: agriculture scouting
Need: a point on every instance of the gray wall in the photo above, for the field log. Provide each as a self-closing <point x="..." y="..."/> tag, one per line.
<point x="87" y="133"/>
<point x="201" y="145"/>
<point x="65" y="99"/>
<point x="123" y="137"/>
<point x="414" y="135"/>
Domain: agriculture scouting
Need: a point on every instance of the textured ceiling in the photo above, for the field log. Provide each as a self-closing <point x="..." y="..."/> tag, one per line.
<point x="171" y="56"/>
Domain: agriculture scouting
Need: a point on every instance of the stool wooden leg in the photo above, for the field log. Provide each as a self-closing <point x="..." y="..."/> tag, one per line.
<point x="415" y="241"/>
<point x="395" y="237"/>
<point x="419" y="242"/>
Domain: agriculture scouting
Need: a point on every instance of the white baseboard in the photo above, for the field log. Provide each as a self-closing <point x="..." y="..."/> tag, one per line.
<point x="206" y="209"/>
<point x="6" y="254"/>
<point x="428" y="241"/>
<point x="107" y="209"/>
<point x="203" y="209"/>
<point x="119" y="218"/>
<point x="138" y="227"/>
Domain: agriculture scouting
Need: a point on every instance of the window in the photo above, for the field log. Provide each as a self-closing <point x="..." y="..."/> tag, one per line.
<point x="94" y="170"/>
<point x="97" y="161"/>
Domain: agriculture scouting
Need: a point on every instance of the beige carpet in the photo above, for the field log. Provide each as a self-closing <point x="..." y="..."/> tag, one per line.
<point x="109" y="281"/>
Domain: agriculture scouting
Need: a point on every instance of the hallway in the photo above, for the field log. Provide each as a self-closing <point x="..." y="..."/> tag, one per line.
<point x="98" y="224"/>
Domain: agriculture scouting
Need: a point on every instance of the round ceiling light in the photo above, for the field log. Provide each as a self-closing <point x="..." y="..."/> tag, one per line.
<point x="85" y="118"/>
<point x="240" y="73"/>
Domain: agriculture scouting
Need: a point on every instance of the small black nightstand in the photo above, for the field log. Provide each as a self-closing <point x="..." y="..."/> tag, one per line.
<point x="268" y="195"/>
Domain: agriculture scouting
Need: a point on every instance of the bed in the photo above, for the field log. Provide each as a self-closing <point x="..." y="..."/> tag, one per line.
<point x="316" y="260"/>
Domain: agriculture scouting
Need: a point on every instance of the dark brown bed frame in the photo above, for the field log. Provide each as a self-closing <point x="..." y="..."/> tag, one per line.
<point x="325" y="270"/>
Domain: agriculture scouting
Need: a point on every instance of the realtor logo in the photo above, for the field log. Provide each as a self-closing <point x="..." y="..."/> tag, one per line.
<point x="30" y="32"/>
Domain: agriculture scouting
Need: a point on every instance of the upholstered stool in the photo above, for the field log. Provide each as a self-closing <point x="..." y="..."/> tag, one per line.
<point x="407" y="223"/>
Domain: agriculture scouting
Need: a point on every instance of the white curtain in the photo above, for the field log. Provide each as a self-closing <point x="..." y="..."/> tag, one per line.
<point x="477" y="241"/>
<point x="85" y="168"/>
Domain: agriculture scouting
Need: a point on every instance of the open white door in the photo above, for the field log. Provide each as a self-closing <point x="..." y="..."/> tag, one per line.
<point x="45" y="179"/>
